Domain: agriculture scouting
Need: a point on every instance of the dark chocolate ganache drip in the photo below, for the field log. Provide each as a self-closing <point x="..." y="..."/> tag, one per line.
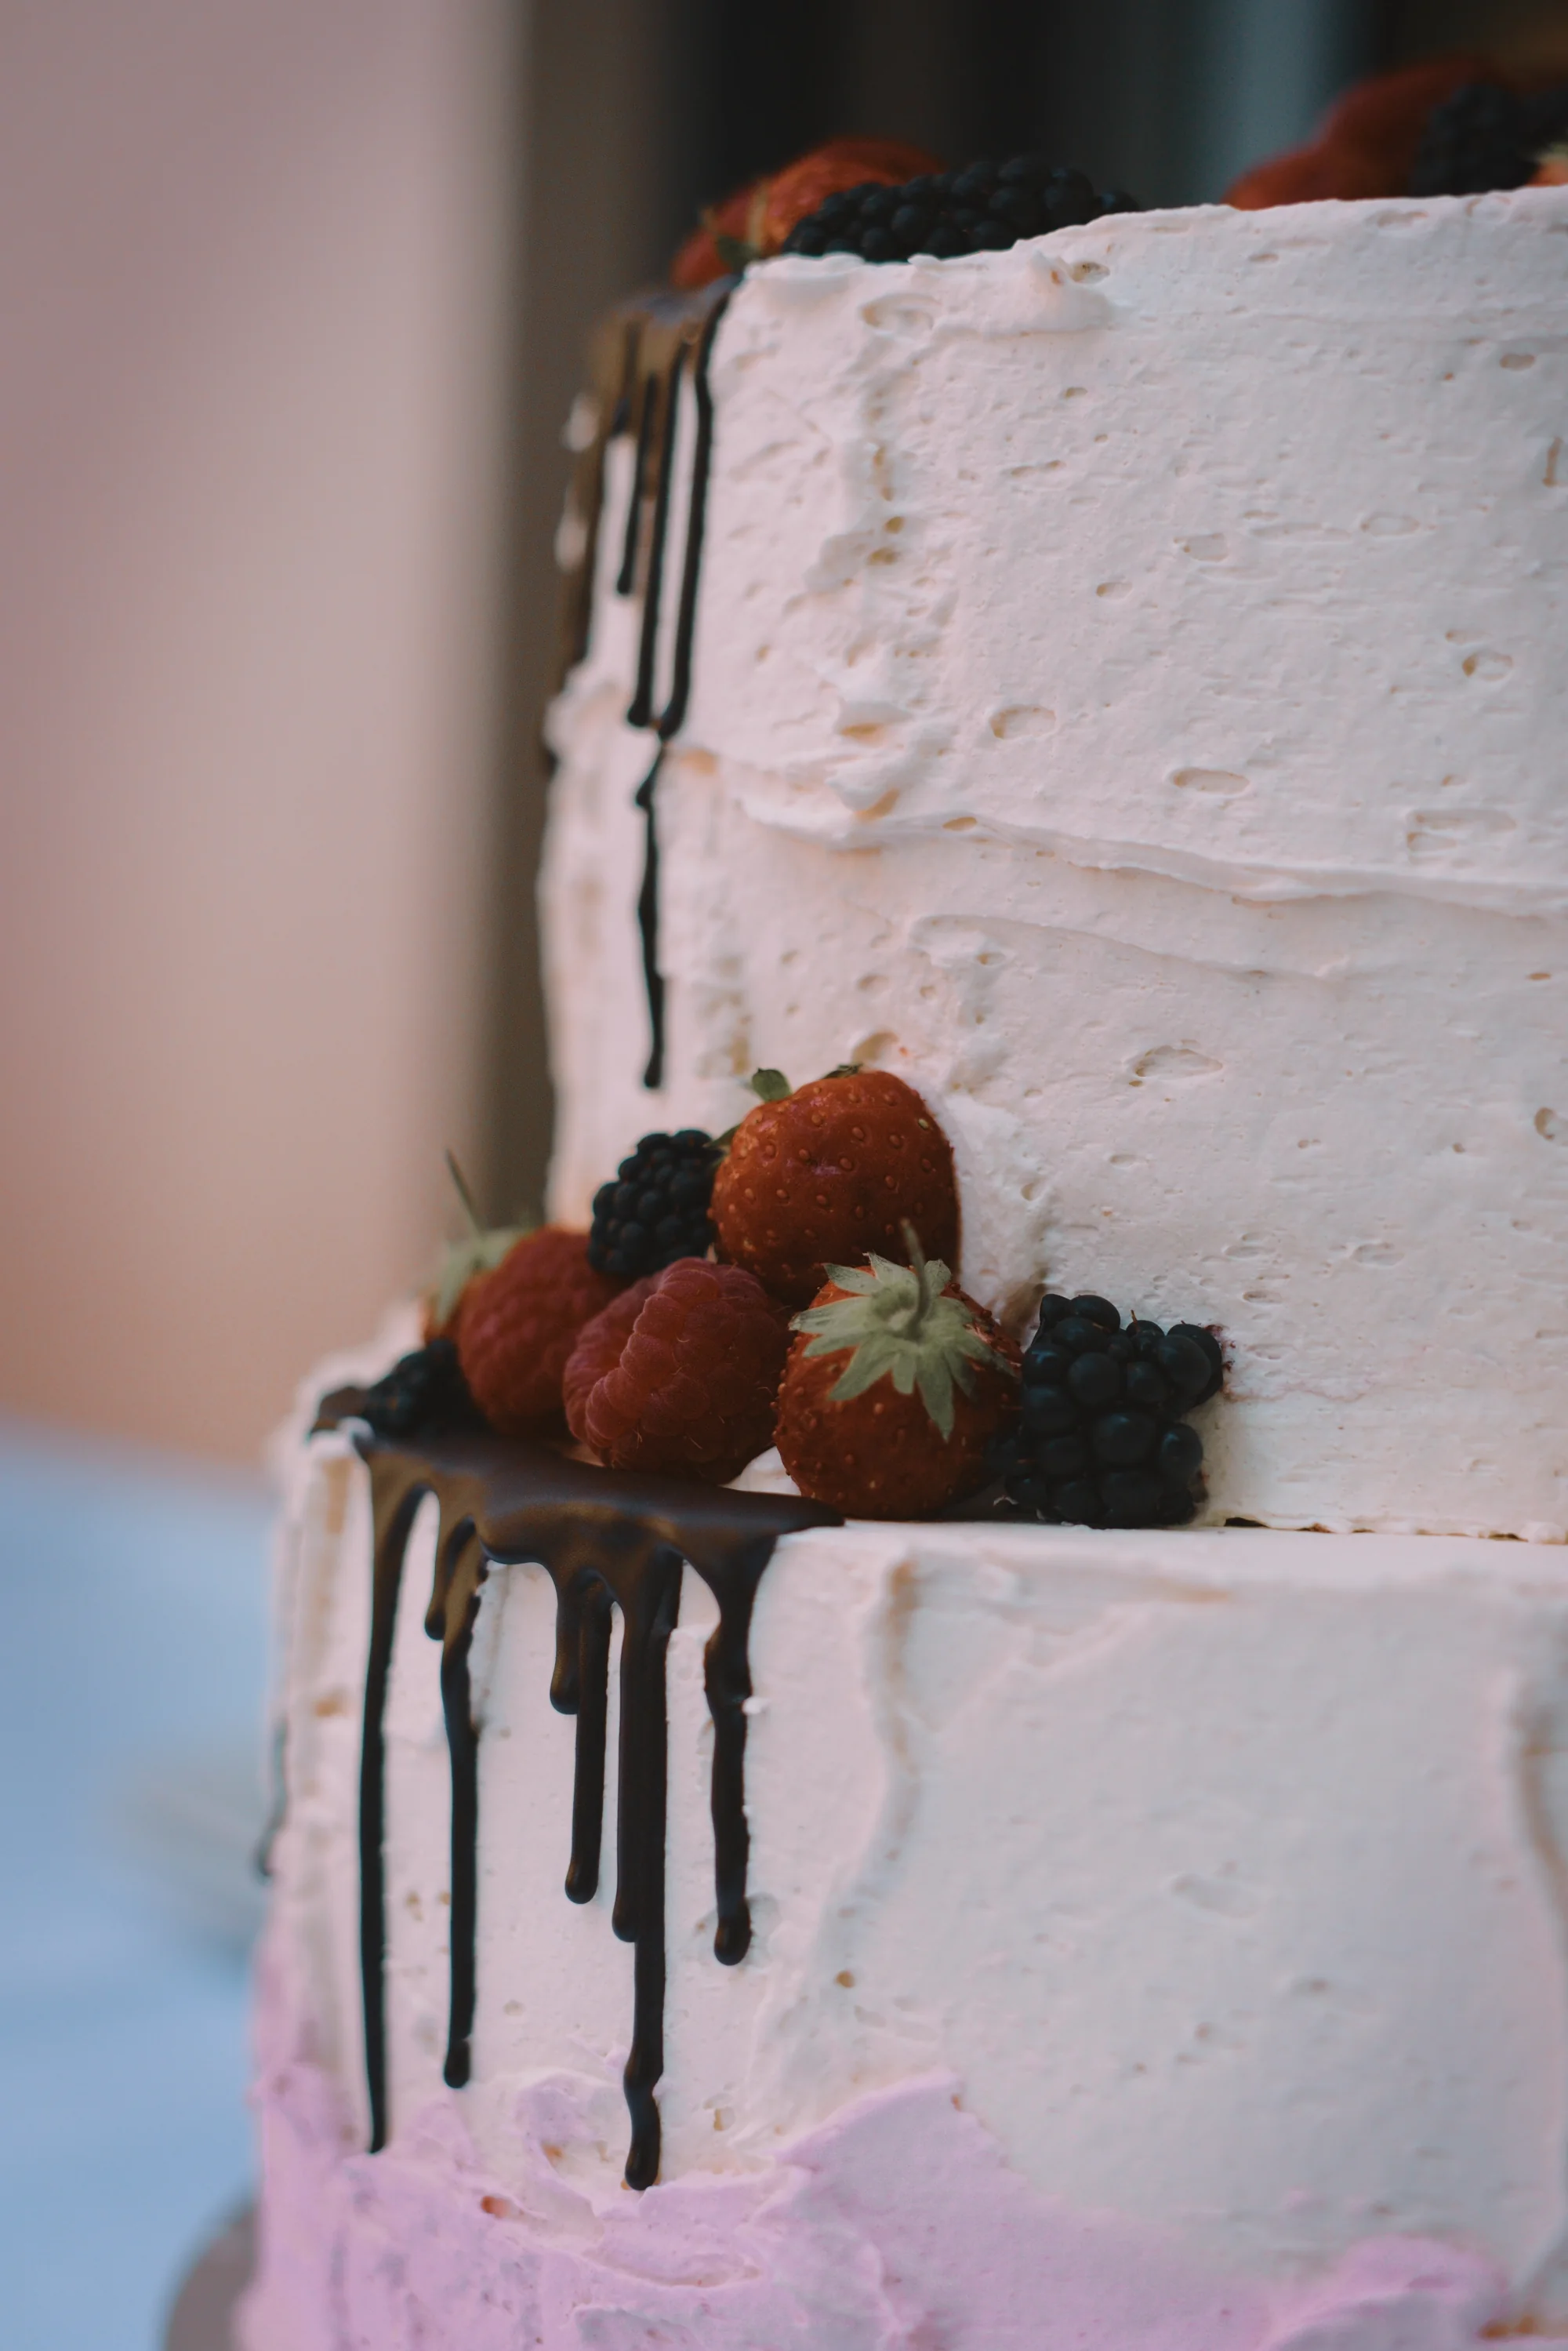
<point x="666" y="405"/>
<point x="650" y="389"/>
<point x="674" y="709"/>
<point x="639" y="363"/>
<point x="648" y="923"/>
<point x="636" y="351"/>
<point x="460" y="1568"/>
<point x="607" y="1542"/>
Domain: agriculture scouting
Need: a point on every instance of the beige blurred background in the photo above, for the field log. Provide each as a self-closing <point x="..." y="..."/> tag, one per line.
<point x="292" y="294"/>
<point x="253" y="440"/>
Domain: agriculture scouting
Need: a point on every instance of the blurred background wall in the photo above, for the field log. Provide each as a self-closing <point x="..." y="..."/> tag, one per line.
<point x="294" y="292"/>
<point x="255" y="278"/>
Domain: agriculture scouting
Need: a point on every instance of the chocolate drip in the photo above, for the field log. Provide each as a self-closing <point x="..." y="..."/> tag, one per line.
<point x="638" y="357"/>
<point x="648" y="924"/>
<point x="674" y="709"/>
<point x="460" y="1570"/>
<point x="607" y="1540"/>
<point x="626" y="578"/>
<point x="591" y="1701"/>
<point x="631" y="358"/>
<point x="614" y="379"/>
<point x="395" y="1509"/>
<point x="726" y="1680"/>
<point x="640" y="712"/>
<point x="648" y="1618"/>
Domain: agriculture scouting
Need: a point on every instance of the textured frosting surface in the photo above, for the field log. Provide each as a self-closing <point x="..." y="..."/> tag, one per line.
<point x="1127" y="702"/>
<point x="1220" y="1872"/>
<point x="1266" y="507"/>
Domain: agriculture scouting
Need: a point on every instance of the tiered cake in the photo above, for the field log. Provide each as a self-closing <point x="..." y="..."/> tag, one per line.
<point x="1116" y="685"/>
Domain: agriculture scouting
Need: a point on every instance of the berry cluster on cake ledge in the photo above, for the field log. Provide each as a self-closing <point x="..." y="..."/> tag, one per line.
<point x="584" y="1400"/>
<point x="787" y="1286"/>
<point x="1100" y="1438"/>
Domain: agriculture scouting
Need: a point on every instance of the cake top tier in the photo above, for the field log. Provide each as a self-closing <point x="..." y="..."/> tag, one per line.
<point x="1263" y="516"/>
<point x="1173" y="604"/>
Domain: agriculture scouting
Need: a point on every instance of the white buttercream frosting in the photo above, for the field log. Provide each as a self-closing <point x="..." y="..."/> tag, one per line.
<point x="1221" y="544"/>
<point x="1128" y="701"/>
<point x="1221" y="1872"/>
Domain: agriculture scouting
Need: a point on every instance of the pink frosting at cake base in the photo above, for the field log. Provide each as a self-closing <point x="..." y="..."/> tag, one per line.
<point x="896" y="2226"/>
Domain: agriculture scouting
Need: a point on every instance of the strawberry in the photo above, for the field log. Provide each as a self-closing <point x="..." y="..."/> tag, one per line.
<point x="893" y="1390"/>
<point x="680" y="1373"/>
<point x="517" y="1325"/>
<point x="752" y="224"/>
<point x="829" y="1173"/>
<point x="480" y="1249"/>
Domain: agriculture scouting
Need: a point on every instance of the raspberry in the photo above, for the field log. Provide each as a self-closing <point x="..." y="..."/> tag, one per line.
<point x="656" y="1209"/>
<point x="680" y="1373"/>
<point x="895" y="1392"/>
<point x="519" y="1324"/>
<point x="598" y="1351"/>
<point x="1100" y="1439"/>
<point x="983" y="208"/>
<point x="831" y="1173"/>
<point x="421" y="1391"/>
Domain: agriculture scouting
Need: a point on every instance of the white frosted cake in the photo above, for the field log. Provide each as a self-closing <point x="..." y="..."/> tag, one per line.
<point x="1114" y="685"/>
<point x="1128" y="700"/>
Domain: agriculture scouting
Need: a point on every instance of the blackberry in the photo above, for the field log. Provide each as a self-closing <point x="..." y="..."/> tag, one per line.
<point x="1100" y="1439"/>
<point x="424" y="1390"/>
<point x="655" y="1209"/>
<point x="1484" y="137"/>
<point x="984" y="208"/>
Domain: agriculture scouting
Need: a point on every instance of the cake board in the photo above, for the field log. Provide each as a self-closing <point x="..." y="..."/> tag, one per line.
<point x="203" y="2316"/>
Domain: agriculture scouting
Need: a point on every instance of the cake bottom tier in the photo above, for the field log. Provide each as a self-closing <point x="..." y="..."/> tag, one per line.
<point x="896" y="2226"/>
<point x="1154" y="1940"/>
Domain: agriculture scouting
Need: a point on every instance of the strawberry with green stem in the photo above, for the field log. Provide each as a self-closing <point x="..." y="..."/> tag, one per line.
<point x="895" y="1388"/>
<point x="476" y="1251"/>
<point x="824" y="1173"/>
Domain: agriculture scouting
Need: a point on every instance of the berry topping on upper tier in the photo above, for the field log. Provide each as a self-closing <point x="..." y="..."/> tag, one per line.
<point x="1487" y="137"/>
<point x="825" y="1175"/>
<point x="424" y="1390"/>
<point x="680" y="1373"/>
<point x="983" y="208"/>
<point x="753" y="224"/>
<point x="1454" y="125"/>
<point x="896" y="1388"/>
<point x="656" y="1209"/>
<point x="1100" y="1439"/>
<point x="519" y="1324"/>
